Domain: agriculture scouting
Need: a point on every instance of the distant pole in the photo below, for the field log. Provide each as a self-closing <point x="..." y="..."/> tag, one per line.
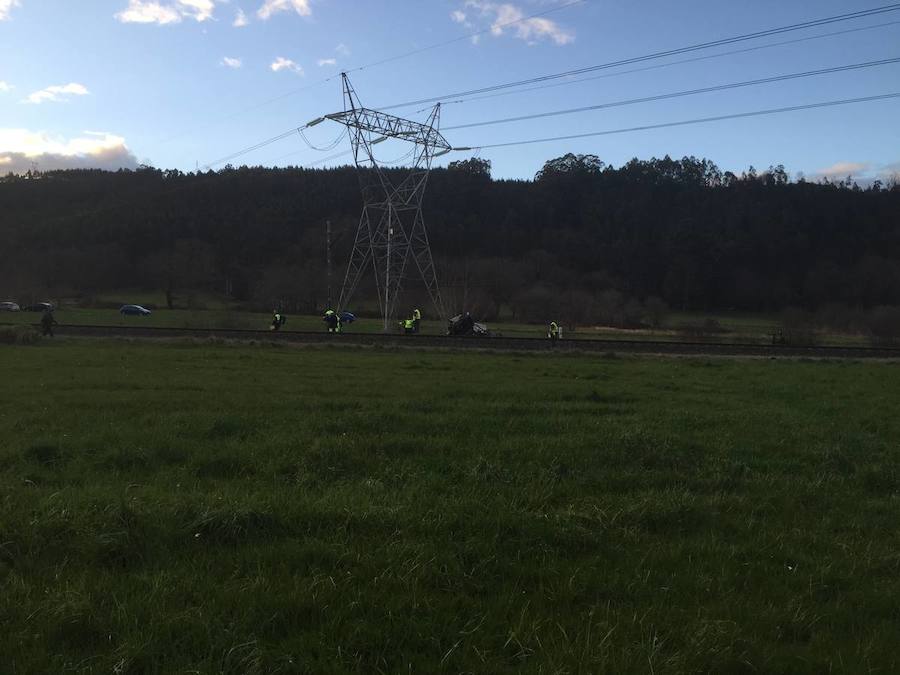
<point x="387" y="268"/>
<point x="328" y="258"/>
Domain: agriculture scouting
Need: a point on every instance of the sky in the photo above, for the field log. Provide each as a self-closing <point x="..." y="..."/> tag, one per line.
<point x="179" y="84"/>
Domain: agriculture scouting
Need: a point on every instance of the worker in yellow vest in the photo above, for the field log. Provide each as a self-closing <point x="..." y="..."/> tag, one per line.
<point x="331" y="320"/>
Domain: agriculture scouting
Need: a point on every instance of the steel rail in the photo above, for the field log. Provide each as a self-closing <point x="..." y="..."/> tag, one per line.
<point x="495" y="343"/>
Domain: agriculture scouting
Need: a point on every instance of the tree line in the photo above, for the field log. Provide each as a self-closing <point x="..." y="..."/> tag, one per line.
<point x="581" y="237"/>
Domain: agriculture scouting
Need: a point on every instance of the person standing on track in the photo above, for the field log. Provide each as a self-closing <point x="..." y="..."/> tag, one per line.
<point x="48" y="321"/>
<point x="278" y="320"/>
<point x="331" y="320"/>
<point x="417" y="317"/>
<point x="553" y="332"/>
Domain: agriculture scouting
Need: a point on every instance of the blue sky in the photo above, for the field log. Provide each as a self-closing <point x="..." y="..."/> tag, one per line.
<point x="176" y="83"/>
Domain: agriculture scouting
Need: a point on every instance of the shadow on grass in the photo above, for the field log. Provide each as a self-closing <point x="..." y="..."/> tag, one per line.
<point x="236" y="526"/>
<point x="45" y="454"/>
<point x="230" y="427"/>
<point x="225" y="467"/>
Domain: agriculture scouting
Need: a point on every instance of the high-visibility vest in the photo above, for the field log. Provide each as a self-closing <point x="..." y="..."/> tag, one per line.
<point x="554" y="329"/>
<point x="408" y="323"/>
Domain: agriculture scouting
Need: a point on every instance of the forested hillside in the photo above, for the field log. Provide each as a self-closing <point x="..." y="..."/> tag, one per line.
<point x="580" y="233"/>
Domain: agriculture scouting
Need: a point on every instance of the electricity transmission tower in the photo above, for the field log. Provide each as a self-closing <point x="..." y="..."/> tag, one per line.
<point x="391" y="235"/>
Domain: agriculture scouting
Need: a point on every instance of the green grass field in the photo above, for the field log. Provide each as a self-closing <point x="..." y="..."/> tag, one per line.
<point x="233" y="509"/>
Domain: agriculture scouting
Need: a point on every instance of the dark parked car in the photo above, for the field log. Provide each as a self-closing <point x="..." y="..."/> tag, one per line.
<point x="9" y="306"/>
<point x="39" y="307"/>
<point x="134" y="310"/>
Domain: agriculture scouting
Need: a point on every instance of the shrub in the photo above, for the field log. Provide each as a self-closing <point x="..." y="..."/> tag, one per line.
<point x="538" y="304"/>
<point x="883" y="324"/>
<point x="19" y="335"/>
<point x="707" y="328"/>
<point x="837" y="316"/>
<point x="797" y="328"/>
<point x="656" y="311"/>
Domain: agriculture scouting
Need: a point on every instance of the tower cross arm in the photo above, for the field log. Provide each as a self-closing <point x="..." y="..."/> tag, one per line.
<point x="391" y="126"/>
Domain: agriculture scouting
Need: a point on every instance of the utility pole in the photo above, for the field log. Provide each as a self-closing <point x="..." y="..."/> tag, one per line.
<point x="391" y="231"/>
<point x="328" y="258"/>
<point x="387" y="268"/>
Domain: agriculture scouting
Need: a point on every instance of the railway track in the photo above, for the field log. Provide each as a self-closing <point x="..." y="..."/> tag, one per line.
<point x="597" y="345"/>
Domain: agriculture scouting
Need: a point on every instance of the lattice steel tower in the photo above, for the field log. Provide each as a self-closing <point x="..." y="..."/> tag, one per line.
<point x="391" y="230"/>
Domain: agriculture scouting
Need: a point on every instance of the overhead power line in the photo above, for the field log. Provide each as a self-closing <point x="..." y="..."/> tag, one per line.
<point x="695" y="59"/>
<point x="255" y="146"/>
<point x="679" y="94"/>
<point x="681" y="123"/>
<point x="494" y="27"/>
<point x="325" y="148"/>
<point x="705" y="45"/>
<point x="599" y="106"/>
<point x="662" y="125"/>
<point x="390" y="59"/>
<point x="658" y="55"/>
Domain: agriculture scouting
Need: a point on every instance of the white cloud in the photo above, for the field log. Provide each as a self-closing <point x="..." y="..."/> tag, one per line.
<point x="240" y="19"/>
<point x="148" y="12"/>
<point x="341" y="50"/>
<point x="59" y="93"/>
<point x="200" y="10"/>
<point x="19" y="148"/>
<point x="862" y="173"/>
<point x="282" y="63"/>
<point x="162" y="13"/>
<point x="231" y="62"/>
<point x="458" y="16"/>
<point x="890" y="174"/>
<point x="841" y="170"/>
<point x="505" y="17"/>
<point x="270" y="7"/>
<point x="6" y="8"/>
<point x="5" y="86"/>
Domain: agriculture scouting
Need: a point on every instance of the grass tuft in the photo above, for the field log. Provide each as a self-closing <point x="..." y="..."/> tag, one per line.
<point x="881" y="480"/>
<point x="226" y="467"/>
<point x="19" y="335"/>
<point x="235" y="526"/>
<point x="229" y="427"/>
<point x="44" y="454"/>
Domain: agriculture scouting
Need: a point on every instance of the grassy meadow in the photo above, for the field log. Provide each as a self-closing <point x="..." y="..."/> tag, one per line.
<point x="212" y="508"/>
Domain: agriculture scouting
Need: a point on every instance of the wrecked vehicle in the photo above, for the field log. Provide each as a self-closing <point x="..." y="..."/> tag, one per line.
<point x="464" y="324"/>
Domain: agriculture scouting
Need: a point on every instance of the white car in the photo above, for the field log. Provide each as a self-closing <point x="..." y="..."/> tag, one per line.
<point x="9" y="307"/>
